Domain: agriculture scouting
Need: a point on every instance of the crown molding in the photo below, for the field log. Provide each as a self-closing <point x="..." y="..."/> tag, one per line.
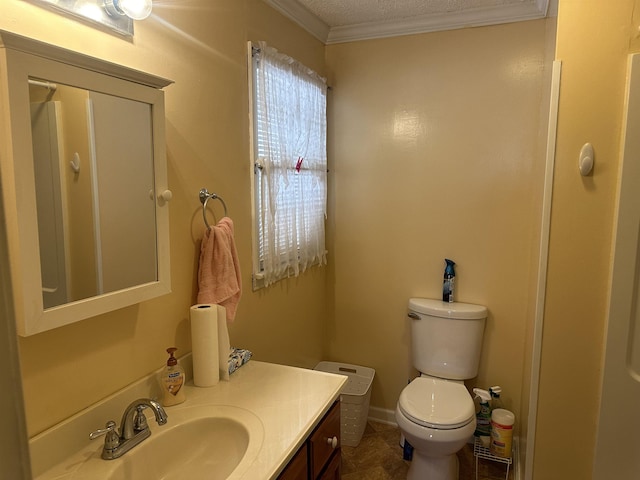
<point x="419" y="24"/>
<point x="303" y="17"/>
<point x="431" y="23"/>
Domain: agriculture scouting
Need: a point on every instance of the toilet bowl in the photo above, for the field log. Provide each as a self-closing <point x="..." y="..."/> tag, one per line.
<point x="435" y="412"/>
<point x="437" y="417"/>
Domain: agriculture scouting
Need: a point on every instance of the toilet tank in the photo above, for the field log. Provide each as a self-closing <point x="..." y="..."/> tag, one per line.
<point x="446" y="338"/>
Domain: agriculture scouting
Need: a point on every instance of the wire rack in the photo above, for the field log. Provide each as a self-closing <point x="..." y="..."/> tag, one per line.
<point x="480" y="451"/>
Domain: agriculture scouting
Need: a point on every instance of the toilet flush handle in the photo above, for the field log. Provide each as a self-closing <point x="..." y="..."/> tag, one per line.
<point x="413" y="316"/>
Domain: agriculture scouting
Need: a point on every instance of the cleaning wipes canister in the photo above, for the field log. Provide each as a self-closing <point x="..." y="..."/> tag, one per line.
<point x="501" y="432"/>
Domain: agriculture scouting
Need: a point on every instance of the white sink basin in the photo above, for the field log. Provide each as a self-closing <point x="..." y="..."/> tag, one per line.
<point x="212" y="442"/>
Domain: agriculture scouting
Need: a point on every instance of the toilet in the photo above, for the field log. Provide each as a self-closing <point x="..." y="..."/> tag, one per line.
<point x="435" y="412"/>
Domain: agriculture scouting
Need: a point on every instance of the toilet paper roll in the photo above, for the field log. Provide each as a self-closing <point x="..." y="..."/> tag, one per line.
<point x="204" y="344"/>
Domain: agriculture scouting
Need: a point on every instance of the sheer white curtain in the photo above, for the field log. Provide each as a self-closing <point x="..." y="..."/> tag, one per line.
<point x="291" y="160"/>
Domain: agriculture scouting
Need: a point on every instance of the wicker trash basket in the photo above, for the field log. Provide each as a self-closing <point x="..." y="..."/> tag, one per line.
<point x="354" y="399"/>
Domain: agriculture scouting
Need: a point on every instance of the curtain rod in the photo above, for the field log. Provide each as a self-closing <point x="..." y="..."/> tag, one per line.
<point x="43" y="83"/>
<point x="256" y="50"/>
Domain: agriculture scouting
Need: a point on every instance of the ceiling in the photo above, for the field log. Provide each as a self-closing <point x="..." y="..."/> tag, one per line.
<point x="337" y="21"/>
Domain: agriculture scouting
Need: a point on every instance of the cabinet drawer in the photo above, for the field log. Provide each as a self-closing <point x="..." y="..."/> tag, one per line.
<point x="325" y="440"/>
<point x="297" y="468"/>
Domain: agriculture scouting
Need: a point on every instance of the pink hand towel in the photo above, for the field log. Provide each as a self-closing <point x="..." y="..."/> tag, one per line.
<point x="219" y="273"/>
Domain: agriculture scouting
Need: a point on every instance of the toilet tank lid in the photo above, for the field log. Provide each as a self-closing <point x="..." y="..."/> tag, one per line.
<point x="438" y="308"/>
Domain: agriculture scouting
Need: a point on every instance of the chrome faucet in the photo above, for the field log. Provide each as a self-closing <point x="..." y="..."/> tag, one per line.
<point x="133" y="428"/>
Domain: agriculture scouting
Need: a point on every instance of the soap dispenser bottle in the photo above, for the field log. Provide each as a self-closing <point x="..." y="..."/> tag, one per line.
<point x="172" y="380"/>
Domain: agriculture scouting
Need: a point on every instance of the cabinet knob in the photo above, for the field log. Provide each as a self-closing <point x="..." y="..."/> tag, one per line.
<point x="333" y="441"/>
<point x="167" y="195"/>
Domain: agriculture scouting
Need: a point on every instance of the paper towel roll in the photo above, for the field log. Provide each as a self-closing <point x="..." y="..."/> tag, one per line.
<point x="204" y="344"/>
<point x="224" y="345"/>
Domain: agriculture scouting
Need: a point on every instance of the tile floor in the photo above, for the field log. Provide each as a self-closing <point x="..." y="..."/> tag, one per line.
<point x="379" y="457"/>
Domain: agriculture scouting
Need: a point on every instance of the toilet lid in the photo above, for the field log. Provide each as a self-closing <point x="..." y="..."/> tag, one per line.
<point x="437" y="403"/>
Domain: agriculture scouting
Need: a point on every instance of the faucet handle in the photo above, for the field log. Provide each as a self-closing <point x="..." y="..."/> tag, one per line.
<point x="140" y="419"/>
<point x="112" y="439"/>
<point x="110" y="426"/>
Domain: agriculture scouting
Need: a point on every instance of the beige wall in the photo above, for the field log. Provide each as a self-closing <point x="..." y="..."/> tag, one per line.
<point x="436" y="152"/>
<point x="594" y="38"/>
<point x="201" y="45"/>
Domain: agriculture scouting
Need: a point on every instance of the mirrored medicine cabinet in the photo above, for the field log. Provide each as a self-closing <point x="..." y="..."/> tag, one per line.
<point x="84" y="182"/>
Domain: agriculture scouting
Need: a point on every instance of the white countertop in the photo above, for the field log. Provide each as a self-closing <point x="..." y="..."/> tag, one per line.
<point x="288" y="401"/>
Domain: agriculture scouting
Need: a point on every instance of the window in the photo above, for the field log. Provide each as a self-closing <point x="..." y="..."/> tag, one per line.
<point x="288" y="109"/>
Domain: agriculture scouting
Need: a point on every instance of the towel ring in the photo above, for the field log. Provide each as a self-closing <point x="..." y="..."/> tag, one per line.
<point x="205" y="196"/>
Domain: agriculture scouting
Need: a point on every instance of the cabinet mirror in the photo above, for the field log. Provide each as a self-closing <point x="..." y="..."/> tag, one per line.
<point x="84" y="179"/>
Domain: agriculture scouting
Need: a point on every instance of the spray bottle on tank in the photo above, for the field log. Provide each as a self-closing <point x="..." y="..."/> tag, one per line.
<point x="449" y="280"/>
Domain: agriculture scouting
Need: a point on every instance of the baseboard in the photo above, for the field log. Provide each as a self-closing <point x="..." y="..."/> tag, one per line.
<point x="382" y="415"/>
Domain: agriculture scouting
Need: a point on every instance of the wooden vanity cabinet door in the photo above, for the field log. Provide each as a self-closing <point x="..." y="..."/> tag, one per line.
<point x="333" y="471"/>
<point x="297" y="469"/>
<point x="320" y="443"/>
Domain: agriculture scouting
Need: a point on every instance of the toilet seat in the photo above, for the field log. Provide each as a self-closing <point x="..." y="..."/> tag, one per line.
<point x="437" y="403"/>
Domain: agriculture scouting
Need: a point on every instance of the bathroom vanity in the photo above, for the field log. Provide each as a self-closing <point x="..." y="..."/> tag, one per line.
<point x="319" y="457"/>
<point x="290" y="421"/>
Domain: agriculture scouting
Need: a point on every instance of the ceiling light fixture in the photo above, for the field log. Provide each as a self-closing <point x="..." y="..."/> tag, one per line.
<point x="135" y="9"/>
